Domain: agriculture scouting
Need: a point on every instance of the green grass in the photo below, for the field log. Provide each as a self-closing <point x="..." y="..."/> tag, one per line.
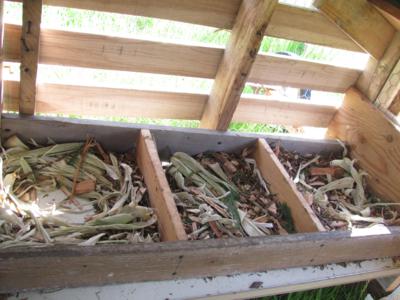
<point x="356" y="291"/>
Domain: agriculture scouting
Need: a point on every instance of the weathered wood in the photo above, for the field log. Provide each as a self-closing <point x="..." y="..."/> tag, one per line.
<point x="288" y="22"/>
<point x="390" y="90"/>
<point x="30" y="35"/>
<point x="240" y="53"/>
<point x="376" y="73"/>
<point x="275" y="174"/>
<point x="98" y="101"/>
<point x="373" y="140"/>
<point x="65" y="48"/>
<point x="361" y="21"/>
<point x="71" y="266"/>
<point x="169" y="221"/>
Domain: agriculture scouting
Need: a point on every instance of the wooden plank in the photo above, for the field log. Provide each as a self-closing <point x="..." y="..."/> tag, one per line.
<point x="58" y="267"/>
<point x="169" y="221"/>
<point x="294" y="72"/>
<point x="361" y="21"/>
<point x="373" y="140"/>
<point x="283" y="112"/>
<point x="65" y="48"/>
<point x="240" y="53"/>
<point x="390" y="90"/>
<point x="376" y="73"/>
<point x="273" y="172"/>
<point x="30" y="34"/>
<point x="395" y="107"/>
<point x="288" y="22"/>
<point x="99" y="101"/>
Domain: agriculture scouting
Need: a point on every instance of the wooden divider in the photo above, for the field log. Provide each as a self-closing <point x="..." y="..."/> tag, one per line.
<point x="169" y="221"/>
<point x="104" y="52"/>
<point x="29" y="45"/>
<point x="373" y="140"/>
<point x="280" y="182"/>
<point x="99" y="101"/>
<point x="288" y="22"/>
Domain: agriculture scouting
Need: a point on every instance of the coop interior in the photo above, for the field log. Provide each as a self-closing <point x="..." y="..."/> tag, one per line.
<point x="224" y="135"/>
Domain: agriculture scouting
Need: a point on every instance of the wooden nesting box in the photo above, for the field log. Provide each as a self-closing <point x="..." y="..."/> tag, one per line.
<point x="363" y="122"/>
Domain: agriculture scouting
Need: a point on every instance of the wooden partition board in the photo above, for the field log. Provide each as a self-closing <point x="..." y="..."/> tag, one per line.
<point x="280" y="182"/>
<point x="169" y="221"/>
<point x="374" y="142"/>
<point x="123" y="54"/>
<point x="71" y="266"/>
<point x="288" y="22"/>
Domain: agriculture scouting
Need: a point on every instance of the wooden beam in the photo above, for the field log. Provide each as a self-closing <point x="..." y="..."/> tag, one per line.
<point x="374" y="142"/>
<point x="376" y="73"/>
<point x="72" y="266"/>
<point x="32" y="14"/>
<point x="395" y="107"/>
<point x="104" y="52"/>
<point x="390" y="90"/>
<point x="283" y="186"/>
<point x="390" y="9"/>
<point x="100" y="101"/>
<point x="361" y="21"/>
<point x="246" y="37"/>
<point x="288" y="22"/>
<point x="169" y="222"/>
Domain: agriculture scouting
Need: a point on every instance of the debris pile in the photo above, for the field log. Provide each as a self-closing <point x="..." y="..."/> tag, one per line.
<point x="336" y="189"/>
<point x="221" y="195"/>
<point x="72" y="193"/>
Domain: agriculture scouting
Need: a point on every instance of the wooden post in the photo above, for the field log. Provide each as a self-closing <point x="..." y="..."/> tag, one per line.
<point x="390" y="90"/>
<point x="247" y="34"/>
<point x="32" y="13"/>
<point x="361" y="22"/>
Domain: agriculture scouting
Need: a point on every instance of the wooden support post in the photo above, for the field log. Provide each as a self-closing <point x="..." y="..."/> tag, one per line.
<point x="376" y="73"/>
<point x="374" y="142"/>
<point x="169" y="221"/>
<point x="247" y="34"/>
<point x="361" y="22"/>
<point x="281" y="184"/>
<point x="390" y="90"/>
<point x="32" y="13"/>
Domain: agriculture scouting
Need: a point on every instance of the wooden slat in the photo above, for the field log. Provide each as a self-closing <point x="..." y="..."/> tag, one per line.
<point x="274" y="173"/>
<point x="72" y="266"/>
<point x="287" y="71"/>
<point x="169" y="221"/>
<point x="288" y="22"/>
<point x="283" y="112"/>
<point x="361" y="21"/>
<point x="99" y="101"/>
<point x="376" y="73"/>
<point x="373" y="140"/>
<point x="390" y="90"/>
<point x="240" y="53"/>
<point x="30" y="34"/>
<point x="66" y="48"/>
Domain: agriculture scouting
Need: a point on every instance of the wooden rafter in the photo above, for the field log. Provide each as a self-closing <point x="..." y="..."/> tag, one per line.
<point x="246" y="37"/>
<point x="361" y="22"/>
<point x="390" y="90"/>
<point x="32" y="13"/>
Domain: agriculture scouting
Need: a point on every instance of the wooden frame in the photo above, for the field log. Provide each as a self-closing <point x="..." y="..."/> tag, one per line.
<point x="181" y="259"/>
